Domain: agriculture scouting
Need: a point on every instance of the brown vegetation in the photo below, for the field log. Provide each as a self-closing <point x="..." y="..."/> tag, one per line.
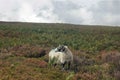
<point x="24" y="51"/>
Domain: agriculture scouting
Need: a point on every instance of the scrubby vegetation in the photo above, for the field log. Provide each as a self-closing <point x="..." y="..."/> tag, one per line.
<point x="24" y="51"/>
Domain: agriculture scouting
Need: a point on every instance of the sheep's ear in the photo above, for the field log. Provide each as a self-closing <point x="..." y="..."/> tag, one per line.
<point x="59" y="45"/>
<point x="66" y="46"/>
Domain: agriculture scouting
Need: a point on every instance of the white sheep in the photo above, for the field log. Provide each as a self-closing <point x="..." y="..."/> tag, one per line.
<point x="61" y="55"/>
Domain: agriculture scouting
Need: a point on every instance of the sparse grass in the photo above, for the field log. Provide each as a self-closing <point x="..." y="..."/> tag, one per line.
<point x="24" y="51"/>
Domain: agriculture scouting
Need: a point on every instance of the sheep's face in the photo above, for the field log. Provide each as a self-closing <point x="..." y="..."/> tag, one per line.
<point x="61" y="48"/>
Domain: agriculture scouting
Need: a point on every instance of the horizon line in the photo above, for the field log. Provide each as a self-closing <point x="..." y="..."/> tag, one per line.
<point x="64" y="23"/>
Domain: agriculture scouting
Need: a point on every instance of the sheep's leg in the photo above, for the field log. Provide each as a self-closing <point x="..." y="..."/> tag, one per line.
<point x="68" y="67"/>
<point x="54" y="65"/>
<point x="63" y="66"/>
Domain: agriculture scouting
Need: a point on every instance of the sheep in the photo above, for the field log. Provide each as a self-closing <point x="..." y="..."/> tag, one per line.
<point x="61" y="55"/>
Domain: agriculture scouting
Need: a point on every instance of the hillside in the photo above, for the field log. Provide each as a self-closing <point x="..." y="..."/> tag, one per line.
<point x="24" y="51"/>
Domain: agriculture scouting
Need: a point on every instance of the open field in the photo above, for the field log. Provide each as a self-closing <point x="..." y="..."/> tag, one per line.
<point x="24" y="51"/>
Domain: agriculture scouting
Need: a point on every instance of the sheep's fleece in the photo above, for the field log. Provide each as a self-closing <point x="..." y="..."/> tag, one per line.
<point x="61" y="57"/>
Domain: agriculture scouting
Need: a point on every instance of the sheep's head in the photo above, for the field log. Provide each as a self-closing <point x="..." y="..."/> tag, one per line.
<point x="61" y="48"/>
